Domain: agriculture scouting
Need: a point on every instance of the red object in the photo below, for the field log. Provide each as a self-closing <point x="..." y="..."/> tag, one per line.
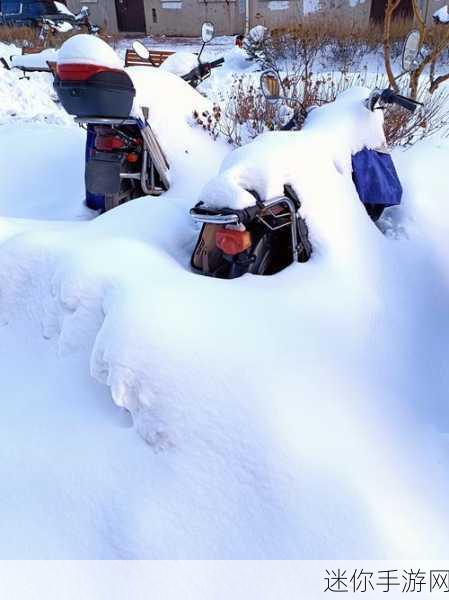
<point x="109" y="142"/>
<point x="80" y="71"/>
<point x="239" y="40"/>
<point x="232" y="241"/>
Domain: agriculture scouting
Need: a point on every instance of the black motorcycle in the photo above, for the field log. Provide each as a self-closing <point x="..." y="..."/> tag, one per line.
<point x="268" y="236"/>
<point x="124" y="159"/>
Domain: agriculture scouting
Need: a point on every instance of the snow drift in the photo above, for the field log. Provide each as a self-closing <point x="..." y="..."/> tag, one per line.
<point x="301" y="415"/>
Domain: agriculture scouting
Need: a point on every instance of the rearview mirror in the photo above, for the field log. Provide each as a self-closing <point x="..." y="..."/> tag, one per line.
<point x="270" y="85"/>
<point x="207" y="32"/>
<point x="410" y="51"/>
<point x="141" y="50"/>
<point x="84" y="12"/>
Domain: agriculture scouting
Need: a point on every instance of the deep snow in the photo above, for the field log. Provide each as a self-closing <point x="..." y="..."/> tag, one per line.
<point x="302" y="415"/>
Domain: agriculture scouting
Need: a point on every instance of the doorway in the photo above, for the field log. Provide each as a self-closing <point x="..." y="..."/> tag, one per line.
<point x="130" y="15"/>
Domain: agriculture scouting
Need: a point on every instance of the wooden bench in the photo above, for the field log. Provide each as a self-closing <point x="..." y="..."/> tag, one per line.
<point x="157" y="57"/>
<point x="50" y="66"/>
<point x="31" y="50"/>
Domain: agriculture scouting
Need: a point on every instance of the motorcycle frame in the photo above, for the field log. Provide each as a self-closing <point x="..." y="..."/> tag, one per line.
<point x="234" y="219"/>
<point x="149" y="188"/>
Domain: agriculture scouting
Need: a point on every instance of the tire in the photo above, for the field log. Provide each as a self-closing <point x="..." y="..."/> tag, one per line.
<point x="262" y="252"/>
<point x="111" y="201"/>
<point x="374" y="211"/>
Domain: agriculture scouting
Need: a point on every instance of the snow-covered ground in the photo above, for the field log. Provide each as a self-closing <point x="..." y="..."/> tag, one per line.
<point x="302" y="415"/>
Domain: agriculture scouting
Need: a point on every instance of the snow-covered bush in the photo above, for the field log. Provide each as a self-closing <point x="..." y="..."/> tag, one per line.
<point x="325" y="42"/>
<point x="241" y="112"/>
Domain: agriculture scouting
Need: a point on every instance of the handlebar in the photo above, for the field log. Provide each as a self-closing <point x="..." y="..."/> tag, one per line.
<point x="389" y="97"/>
<point x="201" y="71"/>
<point x="216" y="63"/>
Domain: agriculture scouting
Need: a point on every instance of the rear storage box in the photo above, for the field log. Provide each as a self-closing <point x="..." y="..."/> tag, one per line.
<point x="106" y="93"/>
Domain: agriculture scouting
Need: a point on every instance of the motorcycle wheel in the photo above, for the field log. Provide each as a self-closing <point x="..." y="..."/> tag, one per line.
<point x="263" y="256"/>
<point x="111" y="201"/>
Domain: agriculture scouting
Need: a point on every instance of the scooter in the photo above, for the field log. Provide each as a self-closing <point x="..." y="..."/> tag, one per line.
<point x="269" y="235"/>
<point x="65" y="23"/>
<point x="199" y="72"/>
<point x="124" y="159"/>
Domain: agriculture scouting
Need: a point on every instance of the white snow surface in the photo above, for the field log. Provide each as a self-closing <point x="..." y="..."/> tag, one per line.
<point x="37" y="60"/>
<point x="302" y="415"/>
<point x="88" y="49"/>
<point x="442" y="14"/>
<point x="62" y="8"/>
<point x="257" y="33"/>
<point x="180" y="63"/>
<point x="192" y="154"/>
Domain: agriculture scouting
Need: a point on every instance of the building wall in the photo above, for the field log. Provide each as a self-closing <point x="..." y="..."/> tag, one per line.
<point x="184" y="17"/>
<point x="276" y="13"/>
<point x="102" y="12"/>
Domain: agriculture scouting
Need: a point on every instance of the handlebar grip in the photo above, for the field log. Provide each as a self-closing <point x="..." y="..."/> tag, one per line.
<point x="390" y="97"/>
<point x="406" y="102"/>
<point x="217" y="63"/>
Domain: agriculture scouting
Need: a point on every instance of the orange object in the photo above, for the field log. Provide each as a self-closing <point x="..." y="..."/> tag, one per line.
<point x="109" y="142"/>
<point x="232" y="241"/>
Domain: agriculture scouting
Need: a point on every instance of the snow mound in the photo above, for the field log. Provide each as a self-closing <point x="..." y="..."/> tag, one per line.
<point x="322" y="150"/>
<point x="30" y="99"/>
<point x="263" y="434"/>
<point x="284" y="417"/>
<point x="38" y="60"/>
<point x="191" y="152"/>
<point x="180" y="63"/>
<point x="88" y="49"/>
<point x="52" y="182"/>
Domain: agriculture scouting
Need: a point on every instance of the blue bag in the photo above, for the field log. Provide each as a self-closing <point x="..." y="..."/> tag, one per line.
<point x="375" y="178"/>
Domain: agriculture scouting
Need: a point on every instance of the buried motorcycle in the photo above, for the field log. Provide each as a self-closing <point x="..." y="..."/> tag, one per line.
<point x="124" y="159"/>
<point x="66" y="22"/>
<point x="267" y="236"/>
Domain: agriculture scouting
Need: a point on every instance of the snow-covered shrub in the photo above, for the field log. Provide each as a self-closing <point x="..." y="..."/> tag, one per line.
<point x="257" y="42"/>
<point x="241" y="112"/>
<point x="323" y="41"/>
<point x="405" y="129"/>
<point x="20" y="36"/>
<point x="30" y="37"/>
<point x="431" y="67"/>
